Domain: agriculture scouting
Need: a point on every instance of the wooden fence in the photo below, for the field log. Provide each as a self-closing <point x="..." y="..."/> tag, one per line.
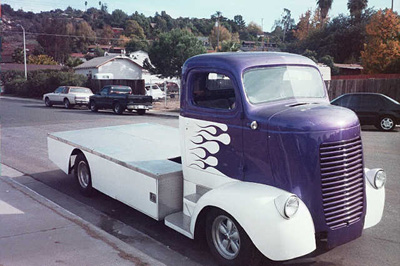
<point x="387" y="86"/>
<point x="137" y="85"/>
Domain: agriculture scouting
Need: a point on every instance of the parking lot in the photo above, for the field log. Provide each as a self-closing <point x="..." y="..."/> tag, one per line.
<point x="24" y="128"/>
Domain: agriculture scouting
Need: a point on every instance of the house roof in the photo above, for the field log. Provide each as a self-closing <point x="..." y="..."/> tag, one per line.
<point x="99" y="61"/>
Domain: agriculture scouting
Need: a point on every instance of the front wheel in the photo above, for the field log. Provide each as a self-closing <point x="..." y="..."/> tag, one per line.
<point x="83" y="176"/>
<point x="141" y="111"/>
<point x="386" y="123"/>
<point x="47" y="102"/>
<point x="92" y="106"/>
<point x="227" y="240"/>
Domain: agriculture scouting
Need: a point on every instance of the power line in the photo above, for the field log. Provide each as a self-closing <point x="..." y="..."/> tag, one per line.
<point x="68" y="35"/>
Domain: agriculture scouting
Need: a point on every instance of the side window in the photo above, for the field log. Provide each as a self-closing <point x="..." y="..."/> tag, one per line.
<point x="65" y="90"/>
<point x="212" y="90"/>
<point x="369" y="101"/>
<point x="59" y="90"/>
<point x="104" y="91"/>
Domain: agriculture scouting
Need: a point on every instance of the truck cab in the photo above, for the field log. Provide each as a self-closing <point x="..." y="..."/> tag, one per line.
<point x="264" y="121"/>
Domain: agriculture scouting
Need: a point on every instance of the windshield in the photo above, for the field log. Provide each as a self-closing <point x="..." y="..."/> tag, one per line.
<point x="282" y="82"/>
<point x="80" y="90"/>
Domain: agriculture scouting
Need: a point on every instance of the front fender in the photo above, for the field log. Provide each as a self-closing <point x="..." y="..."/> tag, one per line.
<point x="253" y="207"/>
<point x="375" y="200"/>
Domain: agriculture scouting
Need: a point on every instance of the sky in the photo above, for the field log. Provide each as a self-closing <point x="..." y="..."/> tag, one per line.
<point x="262" y="12"/>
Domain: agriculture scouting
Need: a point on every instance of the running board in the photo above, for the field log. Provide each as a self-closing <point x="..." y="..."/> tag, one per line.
<point x="179" y="222"/>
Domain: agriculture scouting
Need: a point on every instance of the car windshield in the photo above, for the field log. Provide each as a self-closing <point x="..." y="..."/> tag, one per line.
<point x="80" y="90"/>
<point x="282" y="82"/>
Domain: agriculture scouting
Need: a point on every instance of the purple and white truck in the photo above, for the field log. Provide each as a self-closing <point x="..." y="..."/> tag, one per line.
<point x="261" y="162"/>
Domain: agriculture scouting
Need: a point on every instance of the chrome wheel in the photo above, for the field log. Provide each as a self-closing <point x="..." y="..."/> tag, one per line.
<point x="67" y="104"/>
<point x="83" y="174"/>
<point x="387" y="123"/>
<point x="47" y="102"/>
<point x="226" y="238"/>
<point x="118" y="108"/>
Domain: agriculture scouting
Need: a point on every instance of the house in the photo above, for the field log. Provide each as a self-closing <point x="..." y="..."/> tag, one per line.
<point x="121" y="67"/>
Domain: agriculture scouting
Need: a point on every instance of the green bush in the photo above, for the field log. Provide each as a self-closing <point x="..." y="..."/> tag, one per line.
<point x="39" y="82"/>
<point x="17" y="86"/>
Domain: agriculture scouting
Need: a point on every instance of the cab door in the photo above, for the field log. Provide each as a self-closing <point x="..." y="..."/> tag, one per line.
<point x="212" y="127"/>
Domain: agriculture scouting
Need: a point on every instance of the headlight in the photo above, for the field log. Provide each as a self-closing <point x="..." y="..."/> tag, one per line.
<point x="291" y="206"/>
<point x="287" y="206"/>
<point x="376" y="177"/>
<point x="380" y="179"/>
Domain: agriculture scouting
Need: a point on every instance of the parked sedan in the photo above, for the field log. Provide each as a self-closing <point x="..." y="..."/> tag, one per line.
<point x="154" y="91"/>
<point x="372" y="109"/>
<point x="68" y="96"/>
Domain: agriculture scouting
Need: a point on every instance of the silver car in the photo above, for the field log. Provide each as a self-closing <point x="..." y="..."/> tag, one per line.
<point x="68" y="96"/>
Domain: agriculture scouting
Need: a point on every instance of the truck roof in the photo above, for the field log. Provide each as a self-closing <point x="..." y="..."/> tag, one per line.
<point x="238" y="61"/>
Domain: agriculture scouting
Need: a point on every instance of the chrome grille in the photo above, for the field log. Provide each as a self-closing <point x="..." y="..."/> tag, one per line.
<point x="342" y="182"/>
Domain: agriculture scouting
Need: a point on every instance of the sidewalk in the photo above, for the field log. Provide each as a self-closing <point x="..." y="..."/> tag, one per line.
<point x="36" y="231"/>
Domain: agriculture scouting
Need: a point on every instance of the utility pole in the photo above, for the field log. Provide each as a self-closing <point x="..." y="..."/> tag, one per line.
<point x="392" y="5"/>
<point x="23" y="35"/>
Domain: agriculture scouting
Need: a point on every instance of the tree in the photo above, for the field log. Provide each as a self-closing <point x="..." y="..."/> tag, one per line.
<point x="73" y="62"/>
<point x="254" y="29"/>
<point x="238" y="19"/>
<point x="224" y="35"/>
<point x="286" y="22"/>
<point x="118" y="18"/>
<point x="324" y="6"/>
<point x="87" y="35"/>
<point x="133" y="29"/>
<point x="18" y="56"/>
<point x="106" y="34"/>
<point x="382" y="49"/>
<point x="356" y="7"/>
<point x="303" y="26"/>
<point x="41" y="60"/>
<point x="54" y="44"/>
<point x="136" y="44"/>
<point x="171" y="50"/>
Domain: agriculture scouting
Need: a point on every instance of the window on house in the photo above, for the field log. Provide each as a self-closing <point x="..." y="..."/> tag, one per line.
<point x="213" y="90"/>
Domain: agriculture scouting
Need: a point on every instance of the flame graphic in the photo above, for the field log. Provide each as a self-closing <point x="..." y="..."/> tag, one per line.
<point x="207" y="142"/>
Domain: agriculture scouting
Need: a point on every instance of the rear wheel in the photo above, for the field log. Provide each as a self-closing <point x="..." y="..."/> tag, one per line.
<point x="118" y="109"/>
<point x="92" y="106"/>
<point x="83" y="176"/>
<point x="67" y="104"/>
<point x="47" y="102"/>
<point x="228" y="241"/>
<point x="141" y="111"/>
<point x="386" y="123"/>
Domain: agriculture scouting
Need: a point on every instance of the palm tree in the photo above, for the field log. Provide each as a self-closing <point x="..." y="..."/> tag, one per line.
<point x="324" y="6"/>
<point x="356" y="7"/>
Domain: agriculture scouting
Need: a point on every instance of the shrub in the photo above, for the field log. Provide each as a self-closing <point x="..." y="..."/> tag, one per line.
<point x="39" y="82"/>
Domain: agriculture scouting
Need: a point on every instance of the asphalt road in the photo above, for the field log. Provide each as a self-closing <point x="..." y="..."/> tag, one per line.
<point x="24" y="127"/>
